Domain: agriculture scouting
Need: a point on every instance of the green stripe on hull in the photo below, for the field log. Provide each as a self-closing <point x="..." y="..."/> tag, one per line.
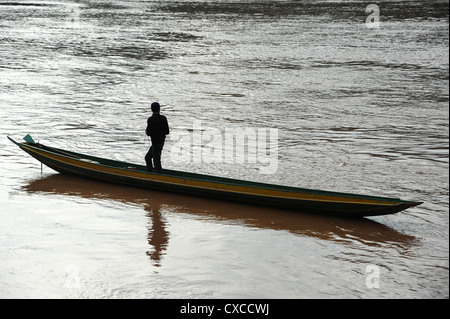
<point x="286" y="197"/>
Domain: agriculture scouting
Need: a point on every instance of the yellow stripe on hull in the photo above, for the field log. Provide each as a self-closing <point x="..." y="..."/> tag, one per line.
<point x="200" y="184"/>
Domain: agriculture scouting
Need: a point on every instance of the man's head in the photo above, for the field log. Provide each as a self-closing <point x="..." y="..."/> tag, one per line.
<point x="155" y="107"/>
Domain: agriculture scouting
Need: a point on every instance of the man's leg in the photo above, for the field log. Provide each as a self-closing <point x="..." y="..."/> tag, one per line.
<point x="148" y="159"/>
<point x="157" y="150"/>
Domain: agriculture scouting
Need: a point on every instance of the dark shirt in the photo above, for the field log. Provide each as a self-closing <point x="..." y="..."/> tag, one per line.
<point x="157" y="128"/>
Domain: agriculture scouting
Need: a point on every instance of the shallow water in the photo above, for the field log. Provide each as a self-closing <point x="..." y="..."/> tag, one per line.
<point x="355" y="110"/>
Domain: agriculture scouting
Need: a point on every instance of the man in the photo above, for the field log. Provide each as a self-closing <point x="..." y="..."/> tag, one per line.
<point x="157" y="129"/>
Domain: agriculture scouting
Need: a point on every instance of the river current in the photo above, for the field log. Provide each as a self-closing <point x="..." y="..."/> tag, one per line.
<point x="333" y="95"/>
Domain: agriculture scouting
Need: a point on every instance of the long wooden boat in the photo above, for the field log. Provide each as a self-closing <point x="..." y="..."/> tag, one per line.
<point x="285" y="197"/>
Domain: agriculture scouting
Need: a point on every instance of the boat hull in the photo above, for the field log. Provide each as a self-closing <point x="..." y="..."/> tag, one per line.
<point x="284" y="197"/>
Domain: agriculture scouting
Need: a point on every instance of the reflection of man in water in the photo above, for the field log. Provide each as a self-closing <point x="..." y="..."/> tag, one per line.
<point x="157" y="129"/>
<point x="158" y="236"/>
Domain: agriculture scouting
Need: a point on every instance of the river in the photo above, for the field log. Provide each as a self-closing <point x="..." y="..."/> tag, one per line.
<point x="339" y="101"/>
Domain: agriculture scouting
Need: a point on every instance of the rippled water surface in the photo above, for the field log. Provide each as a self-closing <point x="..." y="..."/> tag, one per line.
<point x="356" y="109"/>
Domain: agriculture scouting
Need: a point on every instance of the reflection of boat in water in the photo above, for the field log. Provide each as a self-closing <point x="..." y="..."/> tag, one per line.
<point x="286" y="197"/>
<point x="336" y="229"/>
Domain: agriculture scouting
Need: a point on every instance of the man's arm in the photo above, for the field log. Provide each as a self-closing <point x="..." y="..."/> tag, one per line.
<point x="166" y="126"/>
<point x="148" y="129"/>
